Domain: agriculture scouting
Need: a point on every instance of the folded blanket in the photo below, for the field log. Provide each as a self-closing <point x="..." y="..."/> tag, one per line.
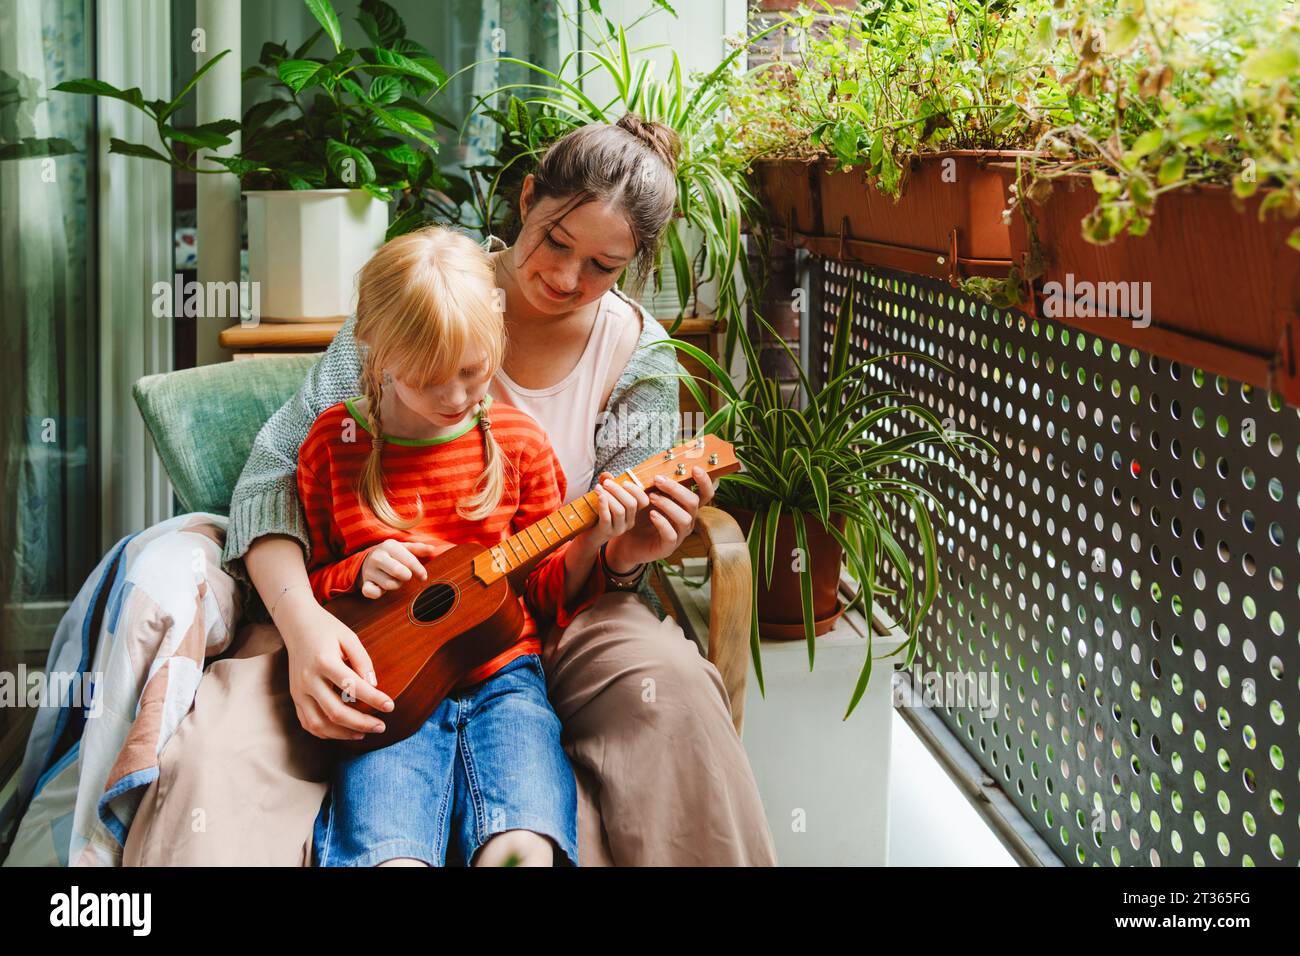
<point x="141" y="628"/>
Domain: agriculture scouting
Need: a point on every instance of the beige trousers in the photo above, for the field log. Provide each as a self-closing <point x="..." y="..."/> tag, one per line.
<point x="662" y="777"/>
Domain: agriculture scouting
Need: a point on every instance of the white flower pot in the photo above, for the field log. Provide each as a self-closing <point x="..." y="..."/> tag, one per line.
<point x="306" y="246"/>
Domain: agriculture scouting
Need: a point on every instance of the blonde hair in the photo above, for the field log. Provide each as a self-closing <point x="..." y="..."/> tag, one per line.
<point x="424" y="301"/>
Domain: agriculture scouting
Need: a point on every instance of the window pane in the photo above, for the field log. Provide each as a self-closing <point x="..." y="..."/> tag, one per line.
<point x="49" y="517"/>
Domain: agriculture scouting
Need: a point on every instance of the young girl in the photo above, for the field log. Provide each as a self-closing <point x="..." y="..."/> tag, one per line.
<point x="410" y="468"/>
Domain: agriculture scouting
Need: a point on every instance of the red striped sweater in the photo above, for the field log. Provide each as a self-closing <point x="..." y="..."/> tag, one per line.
<point x="439" y="471"/>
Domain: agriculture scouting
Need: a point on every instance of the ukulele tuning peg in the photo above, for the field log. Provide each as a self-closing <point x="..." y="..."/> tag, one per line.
<point x="668" y="456"/>
<point x="681" y="469"/>
<point x="713" y="459"/>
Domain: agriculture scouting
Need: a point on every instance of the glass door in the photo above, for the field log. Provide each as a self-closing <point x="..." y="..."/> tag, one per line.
<point x="49" y="488"/>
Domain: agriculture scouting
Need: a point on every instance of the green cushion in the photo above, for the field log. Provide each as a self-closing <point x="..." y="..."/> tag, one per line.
<point x="203" y="421"/>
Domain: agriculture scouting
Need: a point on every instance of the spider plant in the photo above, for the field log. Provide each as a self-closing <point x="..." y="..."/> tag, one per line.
<point x="828" y="459"/>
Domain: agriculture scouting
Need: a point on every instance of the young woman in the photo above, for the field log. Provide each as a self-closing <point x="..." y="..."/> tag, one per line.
<point x="662" y="777"/>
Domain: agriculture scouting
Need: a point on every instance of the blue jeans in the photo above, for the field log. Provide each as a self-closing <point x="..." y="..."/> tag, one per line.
<point x="487" y="760"/>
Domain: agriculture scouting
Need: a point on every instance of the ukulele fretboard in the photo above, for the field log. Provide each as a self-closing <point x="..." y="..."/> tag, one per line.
<point x="525" y="546"/>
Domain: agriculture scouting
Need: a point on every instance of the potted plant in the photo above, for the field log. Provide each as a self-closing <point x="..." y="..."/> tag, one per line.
<point x="820" y="490"/>
<point x="334" y="142"/>
<point x="881" y="139"/>
<point x="1207" y="135"/>
<point x="1106" y="109"/>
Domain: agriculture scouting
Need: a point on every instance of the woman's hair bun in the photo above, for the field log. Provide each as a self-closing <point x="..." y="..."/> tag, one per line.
<point x="662" y="139"/>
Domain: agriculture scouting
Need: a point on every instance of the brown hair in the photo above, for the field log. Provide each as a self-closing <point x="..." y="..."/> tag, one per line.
<point x="424" y="300"/>
<point x="631" y="164"/>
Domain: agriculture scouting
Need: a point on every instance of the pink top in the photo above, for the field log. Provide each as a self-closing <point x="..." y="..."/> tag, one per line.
<point x="569" y="409"/>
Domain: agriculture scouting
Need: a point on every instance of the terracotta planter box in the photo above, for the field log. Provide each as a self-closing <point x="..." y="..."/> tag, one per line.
<point x="1209" y="284"/>
<point x="947" y="221"/>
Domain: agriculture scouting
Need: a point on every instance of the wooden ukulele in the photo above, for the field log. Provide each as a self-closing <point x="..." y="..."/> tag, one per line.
<point x="426" y="636"/>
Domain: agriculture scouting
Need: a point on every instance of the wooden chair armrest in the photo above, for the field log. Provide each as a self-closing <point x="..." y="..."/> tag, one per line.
<point x="718" y="538"/>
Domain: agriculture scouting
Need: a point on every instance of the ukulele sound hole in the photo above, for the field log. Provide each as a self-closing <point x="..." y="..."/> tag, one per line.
<point x="433" y="602"/>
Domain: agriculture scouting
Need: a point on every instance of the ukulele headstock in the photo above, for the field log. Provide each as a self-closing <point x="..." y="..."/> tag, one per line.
<point x="715" y="455"/>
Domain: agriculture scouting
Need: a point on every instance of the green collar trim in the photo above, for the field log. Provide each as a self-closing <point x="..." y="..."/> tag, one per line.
<point x="417" y="442"/>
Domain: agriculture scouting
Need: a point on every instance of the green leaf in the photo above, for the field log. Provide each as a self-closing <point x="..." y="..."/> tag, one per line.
<point x="517" y="115"/>
<point x="123" y="148"/>
<point x="353" y="87"/>
<point x="755" y="645"/>
<point x="350" y="165"/>
<point x="1121" y="33"/>
<point x="388" y="23"/>
<point x="411" y="117"/>
<point x="300" y="74"/>
<point x="1293" y="240"/>
<point x="340" y="63"/>
<point x="100" y="88"/>
<point x="238" y="165"/>
<point x="770" y="527"/>
<point x="189" y="85"/>
<point x="222" y="126"/>
<point x="385" y="90"/>
<point x="316" y="175"/>
<point x="408" y="221"/>
<point x="327" y="18"/>
<point x="259" y="113"/>
<point x="306" y="46"/>
<point x="821" y="489"/>
<point x="1268" y="65"/>
<point x="273" y="53"/>
<point x="1140" y="193"/>
<point x="1045" y="35"/>
<point x="433" y="67"/>
<point x="805" y="587"/>
<point x="682" y="273"/>
<point x="388" y="61"/>
<point x="30" y="148"/>
<point x="844" y="140"/>
<point x="397" y="125"/>
<point x="370" y="27"/>
<point x="402" y="154"/>
<point x="1171" y="170"/>
<point x="196" y="137"/>
<point x="1147" y="143"/>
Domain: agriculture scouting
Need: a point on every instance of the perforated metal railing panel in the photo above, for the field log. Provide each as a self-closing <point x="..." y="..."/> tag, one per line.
<point x="1129" y="580"/>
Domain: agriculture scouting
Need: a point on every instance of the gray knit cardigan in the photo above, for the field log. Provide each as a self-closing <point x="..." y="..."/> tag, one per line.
<point x="640" y="420"/>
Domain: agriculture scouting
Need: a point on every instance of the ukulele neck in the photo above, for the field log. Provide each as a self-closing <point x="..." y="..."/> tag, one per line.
<point x="514" y="557"/>
<point x="517" y="554"/>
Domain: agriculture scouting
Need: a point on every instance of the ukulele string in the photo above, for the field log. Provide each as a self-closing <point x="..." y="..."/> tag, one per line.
<point x="457" y="583"/>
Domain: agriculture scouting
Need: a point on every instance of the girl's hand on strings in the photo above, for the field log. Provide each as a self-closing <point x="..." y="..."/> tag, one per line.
<point x="391" y="563"/>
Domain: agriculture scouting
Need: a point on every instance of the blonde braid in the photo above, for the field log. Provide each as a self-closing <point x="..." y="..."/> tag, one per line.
<point x="490" y="486"/>
<point x="370" y="484"/>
